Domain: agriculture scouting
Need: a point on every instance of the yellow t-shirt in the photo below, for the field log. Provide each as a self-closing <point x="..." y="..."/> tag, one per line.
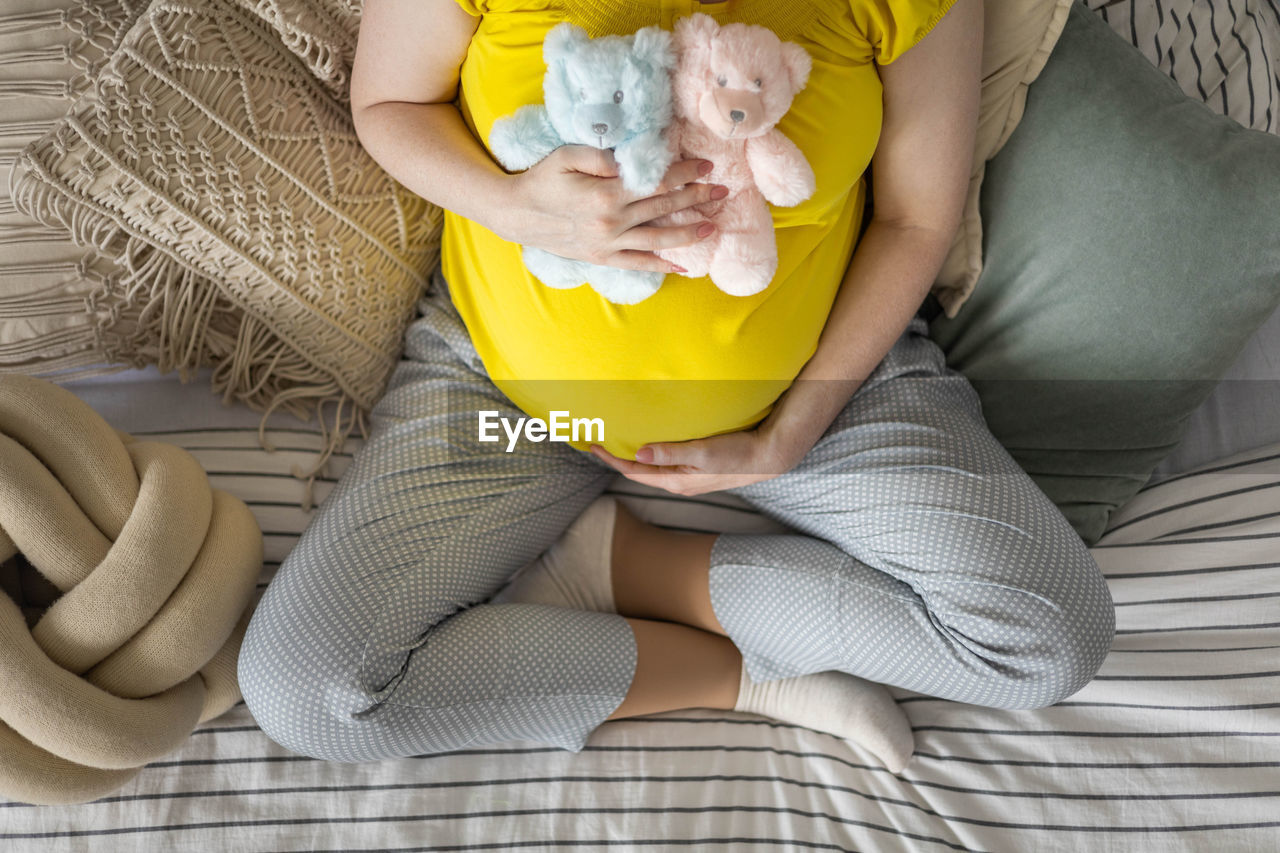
<point x="689" y="361"/>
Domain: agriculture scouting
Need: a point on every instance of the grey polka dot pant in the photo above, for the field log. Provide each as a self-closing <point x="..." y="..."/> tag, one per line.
<point x="923" y="557"/>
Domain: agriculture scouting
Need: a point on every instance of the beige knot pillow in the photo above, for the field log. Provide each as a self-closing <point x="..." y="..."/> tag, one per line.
<point x="156" y="571"/>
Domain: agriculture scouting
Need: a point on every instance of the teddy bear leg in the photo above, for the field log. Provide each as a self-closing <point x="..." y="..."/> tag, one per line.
<point x="747" y="255"/>
<point x="696" y="257"/>
<point x="553" y="270"/>
<point x="624" y="287"/>
<point x="744" y="263"/>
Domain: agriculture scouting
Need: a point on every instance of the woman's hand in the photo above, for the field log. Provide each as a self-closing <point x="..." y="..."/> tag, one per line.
<point x="572" y="204"/>
<point x="712" y="464"/>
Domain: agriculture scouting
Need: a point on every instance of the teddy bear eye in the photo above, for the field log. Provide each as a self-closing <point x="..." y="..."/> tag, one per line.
<point x="722" y="80"/>
<point x="757" y="82"/>
<point x="617" y="97"/>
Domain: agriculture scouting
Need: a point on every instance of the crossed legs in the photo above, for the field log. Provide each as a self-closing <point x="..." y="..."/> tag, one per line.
<point x="923" y="558"/>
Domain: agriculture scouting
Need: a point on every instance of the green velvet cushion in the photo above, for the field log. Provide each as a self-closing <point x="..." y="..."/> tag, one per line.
<point x="1132" y="246"/>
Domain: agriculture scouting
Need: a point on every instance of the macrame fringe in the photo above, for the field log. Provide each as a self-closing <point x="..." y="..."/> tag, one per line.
<point x="52" y="53"/>
<point x="157" y="311"/>
<point x="35" y="89"/>
<point x="62" y="369"/>
<point x="328" y="56"/>
<point x="32" y="22"/>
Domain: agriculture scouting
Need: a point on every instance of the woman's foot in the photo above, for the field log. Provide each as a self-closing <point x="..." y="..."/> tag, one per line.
<point x="837" y="703"/>
<point x="575" y="571"/>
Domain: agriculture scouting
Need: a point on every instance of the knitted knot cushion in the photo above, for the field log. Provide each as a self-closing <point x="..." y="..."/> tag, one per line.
<point x="156" y="571"/>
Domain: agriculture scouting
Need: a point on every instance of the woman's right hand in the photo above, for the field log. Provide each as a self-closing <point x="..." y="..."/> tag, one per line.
<point x="572" y="203"/>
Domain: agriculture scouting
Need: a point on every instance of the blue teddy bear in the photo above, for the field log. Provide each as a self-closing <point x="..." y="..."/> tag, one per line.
<point x="611" y="92"/>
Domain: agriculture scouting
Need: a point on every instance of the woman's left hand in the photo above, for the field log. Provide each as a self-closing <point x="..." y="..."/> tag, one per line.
<point x="708" y="464"/>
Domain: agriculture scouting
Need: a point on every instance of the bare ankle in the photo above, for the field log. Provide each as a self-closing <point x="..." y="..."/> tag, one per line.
<point x="661" y="574"/>
<point x="680" y="667"/>
<point x="625" y="529"/>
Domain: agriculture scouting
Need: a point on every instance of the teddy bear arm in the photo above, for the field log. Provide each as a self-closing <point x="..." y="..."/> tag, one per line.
<point x="642" y="161"/>
<point x="780" y="169"/>
<point x="523" y="138"/>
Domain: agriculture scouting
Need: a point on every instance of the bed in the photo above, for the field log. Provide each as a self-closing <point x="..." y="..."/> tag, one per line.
<point x="1174" y="746"/>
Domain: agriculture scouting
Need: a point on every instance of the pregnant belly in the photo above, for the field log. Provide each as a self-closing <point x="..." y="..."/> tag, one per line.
<point x="671" y="372"/>
<point x="623" y="415"/>
<point x="686" y="363"/>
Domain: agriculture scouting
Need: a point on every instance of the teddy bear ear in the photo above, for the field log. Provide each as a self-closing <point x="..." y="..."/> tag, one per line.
<point x="798" y="64"/>
<point x="653" y="45"/>
<point x="562" y="41"/>
<point x="693" y="37"/>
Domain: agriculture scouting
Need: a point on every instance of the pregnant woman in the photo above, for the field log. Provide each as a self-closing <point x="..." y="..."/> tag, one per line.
<point x="919" y="555"/>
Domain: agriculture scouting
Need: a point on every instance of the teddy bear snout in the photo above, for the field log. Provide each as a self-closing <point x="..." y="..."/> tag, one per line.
<point x="733" y="113"/>
<point x="601" y="123"/>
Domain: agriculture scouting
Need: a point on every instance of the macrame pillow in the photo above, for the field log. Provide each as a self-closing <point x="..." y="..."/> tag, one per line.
<point x="54" y="295"/>
<point x="229" y="184"/>
<point x="155" y="573"/>
<point x="322" y="33"/>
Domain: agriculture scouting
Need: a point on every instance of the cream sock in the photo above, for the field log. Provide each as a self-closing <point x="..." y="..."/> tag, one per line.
<point x="575" y="572"/>
<point x="836" y="703"/>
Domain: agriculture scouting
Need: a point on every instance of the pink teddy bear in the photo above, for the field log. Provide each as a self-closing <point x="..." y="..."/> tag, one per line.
<point x="732" y="84"/>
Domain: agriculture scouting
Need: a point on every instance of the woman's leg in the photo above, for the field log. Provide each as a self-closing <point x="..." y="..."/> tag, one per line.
<point x="929" y="559"/>
<point x="375" y="638"/>
<point x="680" y="667"/>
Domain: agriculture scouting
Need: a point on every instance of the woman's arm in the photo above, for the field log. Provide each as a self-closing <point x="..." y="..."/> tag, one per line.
<point x="401" y="101"/>
<point x="920" y="172"/>
<point x="403" y="83"/>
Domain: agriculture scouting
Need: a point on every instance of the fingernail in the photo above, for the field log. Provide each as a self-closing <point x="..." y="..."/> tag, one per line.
<point x="719" y="192"/>
<point x="645" y="455"/>
<point x="678" y="268"/>
<point x="705" y="167"/>
<point x="705" y="229"/>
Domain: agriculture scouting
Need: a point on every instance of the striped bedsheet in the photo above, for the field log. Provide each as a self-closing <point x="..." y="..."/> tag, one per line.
<point x="1175" y="746"/>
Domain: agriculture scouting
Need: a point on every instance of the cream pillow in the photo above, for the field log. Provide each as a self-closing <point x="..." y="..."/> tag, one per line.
<point x="1017" y="40"/>
<point x="56" y="309"/>
<point x="258" y="233"/>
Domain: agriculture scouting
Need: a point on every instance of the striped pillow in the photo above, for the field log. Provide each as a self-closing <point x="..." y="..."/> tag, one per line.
<point x="1222" y="52"/>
